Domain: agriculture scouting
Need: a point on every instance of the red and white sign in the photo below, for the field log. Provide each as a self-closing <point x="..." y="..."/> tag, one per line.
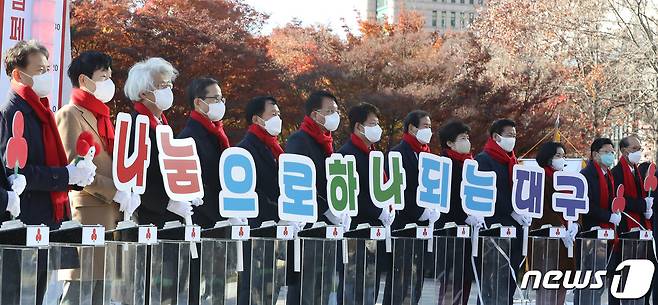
<point x="508" y="232"/>
<point x="377" y="233"/>
<point x="334" y="232"/>
<point x="423" y="233"/>
<point x="37" y="236"/>
<point x="284" y="232"/>
<point x="557" y="232"/>
<point x="192" y="233"/>
<point x="605" y="234"/>
<point x="147" y="235"/>
<point x="240" y="232"/>
<point x="93" y="236"/>
<point x="463" y="231"/>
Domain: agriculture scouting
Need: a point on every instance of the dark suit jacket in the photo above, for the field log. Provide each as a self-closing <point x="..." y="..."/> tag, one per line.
<point x="503" y="212"/>
<point x="596" y="215"/>
<point x="411" y="211"/>
<point x="302" y="143"/>
<point x="153" y="209"/>
<point x="36" y="206"/>
<point x="635" y="205"/>
<point x="368" y="212"/>
<point x="209" y="152"/>
<point x="267" y="185"/>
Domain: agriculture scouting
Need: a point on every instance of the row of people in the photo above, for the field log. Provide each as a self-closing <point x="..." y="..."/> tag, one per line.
<point x="50" y="173"/>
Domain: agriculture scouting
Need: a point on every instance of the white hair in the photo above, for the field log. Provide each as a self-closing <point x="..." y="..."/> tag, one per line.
<point x="140" y="76"/>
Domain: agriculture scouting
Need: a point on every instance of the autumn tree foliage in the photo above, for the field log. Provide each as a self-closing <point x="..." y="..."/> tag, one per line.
<point x="523" y="59"/>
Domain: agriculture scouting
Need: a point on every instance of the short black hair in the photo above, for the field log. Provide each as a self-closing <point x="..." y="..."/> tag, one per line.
<point x="546" y="153"/>
<point x="499" y="125"/>
<point x="256" y="106"/>
<point x="16" y="56"/>
<point x="623" y="143"/>
<point x="87" y="63"/>
<point x="413" y="118"/>
<point x="314" y="101"/>
<point x="360" y="113"/>
<point x="598" y="144"/>
<point x="197" y="89"/>
<point x="450" y="130"/>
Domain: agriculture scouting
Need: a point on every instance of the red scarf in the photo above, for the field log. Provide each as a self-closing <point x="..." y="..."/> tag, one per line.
<point x="360" y="144"/>
<point x="272" y="142"/>
<point x="631" y="190"/>
<point x="500" y="155"/>
<point x="550" y="173"/>
<point x="141" y="109"/>
<point x="457" y="156"/>
<point x="323" y="138"/>
<point x="415" y="145"/>
<point x="104" y="125"/>
<point x="54" y="154"/>
<point x="604" y="193"/>
<point x="216" y="128"/>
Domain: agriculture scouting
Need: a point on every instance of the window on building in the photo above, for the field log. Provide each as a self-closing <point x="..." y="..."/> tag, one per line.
<point x="444" y="17"/>
<point x="452" y="1"/>
<point x="434" y="18"/>
<point x="461" y="1"/>
<point x="471" y="17"/>
<point x="461" y="20"/>
<point x="453" y="19"/>
<point x="480" y="2"/>
<point x="470" y="1"/>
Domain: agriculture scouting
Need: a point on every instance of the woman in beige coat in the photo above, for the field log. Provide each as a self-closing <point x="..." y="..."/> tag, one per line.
<point x="98" y="202"/>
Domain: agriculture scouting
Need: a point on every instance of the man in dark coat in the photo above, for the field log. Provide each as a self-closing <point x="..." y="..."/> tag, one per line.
<point x="416" y="139"/>
<point x="206" y="128"/>
<point x="365" y="132"/>
<point x="262" y="141"/>
<point x="314" y="140"/>
<point x="149" y="86"/>
<point x="626" y="172"/>
<point x="47" y="173"/>
<point x="498" y="157"/>
<point x="601" y="191"/>
<point x="455" y="144"/>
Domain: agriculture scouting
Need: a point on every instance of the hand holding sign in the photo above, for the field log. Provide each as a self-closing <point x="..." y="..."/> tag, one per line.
<point x="478" y="193"/>
<point x="573" y="201"/>
<point x="16" y="154"/>
<point x="528" y="196"/>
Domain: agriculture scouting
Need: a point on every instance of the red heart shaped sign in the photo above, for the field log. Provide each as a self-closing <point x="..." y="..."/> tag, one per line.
<point x="651" y="182"/>
<point x="619" y="203"/>
<point x="16" y="153"/>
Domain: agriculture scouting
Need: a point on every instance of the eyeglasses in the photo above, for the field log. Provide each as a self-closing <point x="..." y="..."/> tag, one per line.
<point x="216" y="99"/>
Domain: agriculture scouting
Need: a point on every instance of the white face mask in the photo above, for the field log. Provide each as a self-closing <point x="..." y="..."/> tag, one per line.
<point x="42" y="83"/>
<point x="372" y="133"/>
<point x="559" y="164"/>
<point x="273" y="125"/>
<point x="332" y="121"/>
<point x="216" y="111"/>
<point x="104" y="90"/>
<point x="164" y="98"/>
<point x="463" y="146"/>
<point x="635" y="157"/>
<point x="507" y="144"/>
<point x="424" y="135"/>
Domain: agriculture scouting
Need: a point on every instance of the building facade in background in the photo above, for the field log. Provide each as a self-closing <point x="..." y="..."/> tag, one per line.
<point x="440" y="15"/>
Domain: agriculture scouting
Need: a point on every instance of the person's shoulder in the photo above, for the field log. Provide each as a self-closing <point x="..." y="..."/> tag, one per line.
<point x="400" y="147"/>
<point x="12" y="103"/>
<point x="67" y="111"/>
<point x="247" y="142"/>
<point x="347" y="148"/>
